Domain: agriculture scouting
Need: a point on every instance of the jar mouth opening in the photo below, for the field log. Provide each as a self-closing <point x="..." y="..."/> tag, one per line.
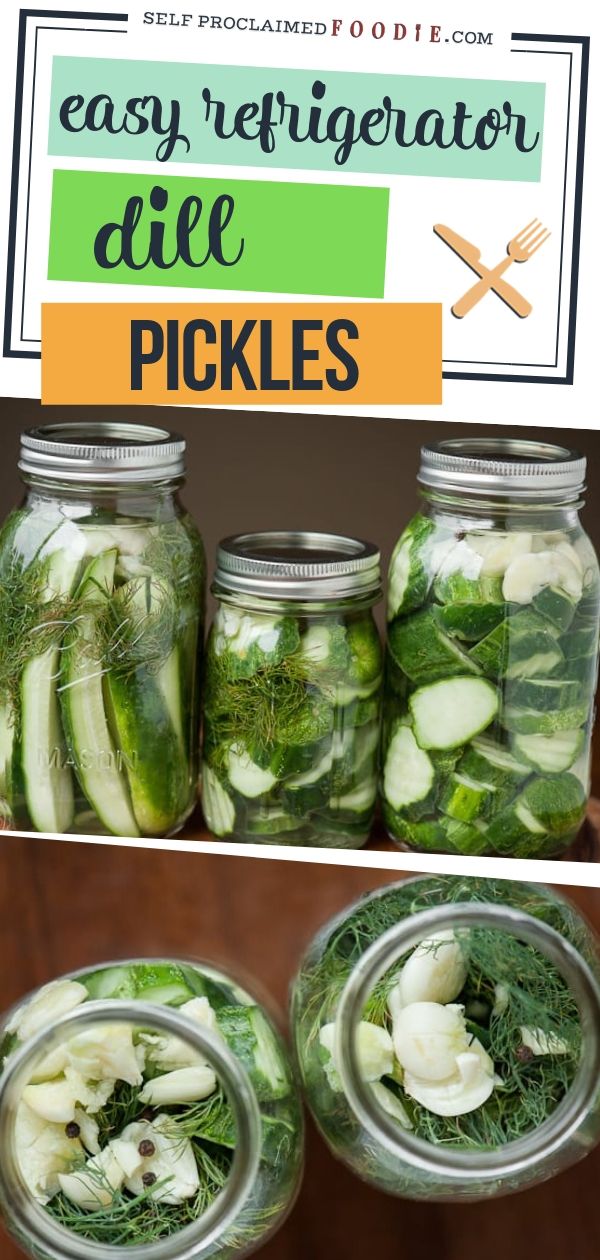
<point x="503" y="468"/>
<point x="532" y="1148"/>
<point x="101" y="452"/>
<point x="192" y="1240"/>
<point x="297" y="566"/>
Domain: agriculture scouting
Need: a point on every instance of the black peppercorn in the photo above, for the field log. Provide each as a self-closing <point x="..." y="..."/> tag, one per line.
<point x="72" y="1129"/>
<point x="148" y="1179"/>
<point x="524" y="1054"/>
<point x="146" y="1148"/>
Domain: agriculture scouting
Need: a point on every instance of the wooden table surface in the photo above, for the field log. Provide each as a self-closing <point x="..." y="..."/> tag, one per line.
<point x="64" y="905"/>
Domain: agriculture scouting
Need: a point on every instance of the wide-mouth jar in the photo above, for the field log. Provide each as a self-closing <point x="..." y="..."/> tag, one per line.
<point x="447" y="1033"/>
<point x="492" y="653"/>
<point x="293" y="684"/>
<point x="102" y="593"/>
<point x="148" y="1108"/>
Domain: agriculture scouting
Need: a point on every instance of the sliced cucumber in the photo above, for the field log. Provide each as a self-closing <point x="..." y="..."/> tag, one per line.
<point x="517" y="833"/>
<point x="7" y="742"/>
<point x="420" y="647"/>
<point x="409" y="574"/>
<point x="558" y="607"/>
<point x="449" y="713"/>
<point x="536" y="722"/>
<point x="456" y="587"/>
<point x="544" y="693"/>
<point x="557" y="802"/>
<point x="245" y="776"/>
<point x="93" y="751"/>
<point x="360" y="800"/>
<point x="47" y="778"/>
<point x="217" y="805"/>
<point x="152" y="751"/>
<point x="469" y="621"/>
<point x="253" y="1041"/>
<point x="492" y="763"/>
<point x="521" y="646"/>
<point x="465" y="799"/>
<point x="164" y="984"/>
<point x="409" y="773"/>
<point x="272" y="822"/>
<point x="551" y="753"/>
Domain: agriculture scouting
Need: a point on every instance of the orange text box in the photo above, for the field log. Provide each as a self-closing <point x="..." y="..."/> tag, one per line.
<point x="241" y="353"/>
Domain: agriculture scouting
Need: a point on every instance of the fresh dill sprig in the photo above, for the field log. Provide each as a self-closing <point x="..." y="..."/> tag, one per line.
<point x="31" y="622"/>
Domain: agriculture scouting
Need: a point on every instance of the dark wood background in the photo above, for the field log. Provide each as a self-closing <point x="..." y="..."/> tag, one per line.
<point x="65" y="905"/>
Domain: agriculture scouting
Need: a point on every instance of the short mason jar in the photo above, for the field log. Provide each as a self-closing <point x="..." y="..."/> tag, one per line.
<point x="352" y="1004"/>
<point x="102" y="593"/>
<point x="293" y="683"/>
<point x="116" y="1181"/>
<point x="492" y="654"/>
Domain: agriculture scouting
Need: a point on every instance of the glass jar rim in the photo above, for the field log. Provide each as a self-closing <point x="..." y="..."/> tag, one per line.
<point x="101" y="453"/>
<point x="194" y="1240"/>
<point x="521" y="1154"/>
<point x="503" y="468"/>
<point x="297" y="566"/>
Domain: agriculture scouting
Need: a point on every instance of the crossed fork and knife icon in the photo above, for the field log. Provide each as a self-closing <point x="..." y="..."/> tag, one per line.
<point x="519" y="250"/>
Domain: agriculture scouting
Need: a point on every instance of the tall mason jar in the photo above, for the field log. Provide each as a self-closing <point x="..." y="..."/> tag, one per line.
<point x="102" y="591"/>
<point x="448" y="1036"/>
<point x="293" y="691"/>
<point x="492" y="653"/>
<point x="148" y="1111"/>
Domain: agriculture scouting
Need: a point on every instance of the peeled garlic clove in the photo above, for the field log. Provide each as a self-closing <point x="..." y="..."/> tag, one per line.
<point x="498" y="550"/>
<point x="170" y="1052"/>
<point x="42" y="1151"/>
<point x="501" y="999"/>
<point x="53" y="1101"/>
<point x="88" y="1130"/>
<point x="427" y="1038"/>
<point x="435" y="972"/>
<point x="185" y="1085"/>
<point x="391" y="1103"/>
<point x="540" y="1042"/>
<point x="53" y="1001"/>
<point x="95" y="1185"/>
<point x="105" y="1053"/>
<point x="526" y="576"/>
<point x="173" y="1164"/>
<point x="468" y="1088"/>
<point x="374" y="1048"/>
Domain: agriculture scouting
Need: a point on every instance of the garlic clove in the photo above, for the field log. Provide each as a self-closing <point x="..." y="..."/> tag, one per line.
<point x="435" y="972"/>
<point x="374" y="1047"/>
<point x="391" y="1103"/>
<point x="105" y="1053"/>
<point x="53" y="1101"/>
<point x="540" y="1042"/>
<point x="95" y="1185"/>
<point x="427" y="1038"/>
<point x="498" y="550"/>
<point x="527" y="575"/>
<point x="467" y="1089"/>
<point x="170" y="1052"/>
<point x="501" y="999"/>
<point x="184" y="1085"/>
<point x="53" y="1001"/>
<point x="89" y="1131"/>
<point x="42" y="1151"/>
<point x="173" y="1164"/>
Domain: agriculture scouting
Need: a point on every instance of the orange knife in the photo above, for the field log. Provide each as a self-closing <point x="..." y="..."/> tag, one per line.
<point x="472" y="257"/>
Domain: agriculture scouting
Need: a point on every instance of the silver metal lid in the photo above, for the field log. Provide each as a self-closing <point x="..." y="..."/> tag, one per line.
<point x="102" y="453"/>
<point x="293" y="565"/>
<point x="504" y="468"/>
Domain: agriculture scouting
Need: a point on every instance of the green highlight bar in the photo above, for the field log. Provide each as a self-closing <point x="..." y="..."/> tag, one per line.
<point x="321" y="120"/>
<point x="196" y="233"/>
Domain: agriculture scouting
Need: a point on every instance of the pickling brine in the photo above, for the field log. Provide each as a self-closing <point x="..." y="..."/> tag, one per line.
<point x="102" y="578"/>
<point x="492" y="655"/>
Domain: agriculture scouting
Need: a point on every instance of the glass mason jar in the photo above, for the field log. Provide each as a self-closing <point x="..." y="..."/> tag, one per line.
<point x="148" y="1111"/>
<point x="293" y="691"/>
<point x="102" y="591"/>
<point x="448" y="1036"/>
<point x="492" y="654"/>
